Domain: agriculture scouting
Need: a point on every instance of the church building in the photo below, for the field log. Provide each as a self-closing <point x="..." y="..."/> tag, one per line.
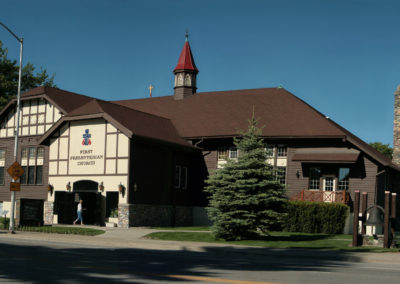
<point x="143" y="161"/>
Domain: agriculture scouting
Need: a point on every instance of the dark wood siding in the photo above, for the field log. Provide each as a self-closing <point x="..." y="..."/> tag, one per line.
<point x="27" y="191"/>
<point x="294" y="183"/>
<point x="363" y="178"/>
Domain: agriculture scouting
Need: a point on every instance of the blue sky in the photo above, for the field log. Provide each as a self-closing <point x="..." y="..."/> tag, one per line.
<point x="341" y="57"/>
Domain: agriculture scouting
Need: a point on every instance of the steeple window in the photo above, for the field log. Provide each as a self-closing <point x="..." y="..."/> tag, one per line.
<point x="188" y="80"/>
<point x="180" y="80"/>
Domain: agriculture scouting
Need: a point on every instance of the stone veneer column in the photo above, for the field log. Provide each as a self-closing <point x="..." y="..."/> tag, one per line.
<point x="124" y="214"/>
<point x="48" y="213"/>
<point x="396" y="127"/>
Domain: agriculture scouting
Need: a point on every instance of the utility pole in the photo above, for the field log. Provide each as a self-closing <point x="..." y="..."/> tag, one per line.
<point x="21" y="42"/>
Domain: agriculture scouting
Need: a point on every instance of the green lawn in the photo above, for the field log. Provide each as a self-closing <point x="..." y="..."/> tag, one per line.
<point x="63" y="230"/>
<point x="188" y="228"/>
<point x="274" y="240"/>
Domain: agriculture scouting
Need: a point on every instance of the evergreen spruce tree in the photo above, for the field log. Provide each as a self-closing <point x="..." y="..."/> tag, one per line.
<point x="245" y="199"/>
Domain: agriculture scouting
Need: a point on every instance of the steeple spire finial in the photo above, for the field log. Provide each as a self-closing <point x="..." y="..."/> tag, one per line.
<point x="187" y="36"/>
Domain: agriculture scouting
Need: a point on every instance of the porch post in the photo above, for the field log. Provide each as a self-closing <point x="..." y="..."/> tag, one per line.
<point x="356" y="209"/>
<point x="386" y="222"/>
<point x="364" y="204"/>
<point x="394" y="215"/>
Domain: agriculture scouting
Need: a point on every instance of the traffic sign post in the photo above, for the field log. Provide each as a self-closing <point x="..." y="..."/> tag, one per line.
<point x="15" y="186"/>
<point x="15" y="170"/>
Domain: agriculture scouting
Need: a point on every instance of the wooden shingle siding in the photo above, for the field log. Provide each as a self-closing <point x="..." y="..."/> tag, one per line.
<point x="27" y="191"/>
<point x="364" y="179"/>
<point x="294" y="183"/>
<point x="211" y="160"/>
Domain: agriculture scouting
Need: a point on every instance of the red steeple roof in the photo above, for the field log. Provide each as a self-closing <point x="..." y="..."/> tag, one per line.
<point x="186" y="61"/>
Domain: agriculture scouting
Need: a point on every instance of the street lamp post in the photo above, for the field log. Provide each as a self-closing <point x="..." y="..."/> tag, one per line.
<point x="21" y="42"/>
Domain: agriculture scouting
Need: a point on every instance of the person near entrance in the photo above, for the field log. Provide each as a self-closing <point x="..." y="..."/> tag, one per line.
<point x="79" y="213"/>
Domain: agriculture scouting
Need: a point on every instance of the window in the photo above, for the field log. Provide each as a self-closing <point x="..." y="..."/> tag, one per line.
<point x="184" y="177"/>
<point x="280" y="175"/>
<point x="269" y="149"/>
<point x="33" y="168"/>
<point x="177" y="176"/>
<point x="24" y="154"/>
<point x="314" y="178"/>
<point x="40" y="153"/>
<point x="222" y="153"/>
<point x="181" y="177"/>
<point x="233" y="153"/>
<point x="32" y="153"/>
<point x="343" y="180"/>
<point x="31" y="175"/>
<point x="2" y="163"/>
<point x="23" y="177"/>
<point x="39" y="175"/>
<point x="282" y="151"/>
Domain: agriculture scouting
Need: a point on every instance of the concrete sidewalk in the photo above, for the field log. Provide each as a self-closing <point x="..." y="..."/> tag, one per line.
<point x="133" y="238"/>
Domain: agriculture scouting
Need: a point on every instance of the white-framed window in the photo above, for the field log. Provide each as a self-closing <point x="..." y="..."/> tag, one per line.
<point x="343" y="179"/>
<point x="280" y="175"/>
<point x="233" y="153"/>
<point x="181" y="175"/>
<point x="222" y="153"/>
<point x="314" y="178"/>
<point x="282" y="151"/>
<point x="270" y="150"/>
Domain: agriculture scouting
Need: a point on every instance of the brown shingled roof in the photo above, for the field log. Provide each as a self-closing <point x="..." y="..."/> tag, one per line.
<point x="65" y="100"/>
<point x="130" y="121"/>
<point x="215" y="114"/>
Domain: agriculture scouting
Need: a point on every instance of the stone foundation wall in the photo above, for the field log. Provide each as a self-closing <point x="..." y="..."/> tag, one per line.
<point x="124" y="213"/>
<point x="48" y="212"/>
<point x="130" y="215"/>
<point x="183" y="216"/>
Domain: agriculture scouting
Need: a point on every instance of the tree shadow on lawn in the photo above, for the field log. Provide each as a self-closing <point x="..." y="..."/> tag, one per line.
<point x="40" y="264"/>
<point x="293" y="237"/>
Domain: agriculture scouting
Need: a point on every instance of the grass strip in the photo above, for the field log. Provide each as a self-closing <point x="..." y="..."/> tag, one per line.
<point x="62" y="230"/>
<point x="275" y="240"/>
<point x="188" y="228"/>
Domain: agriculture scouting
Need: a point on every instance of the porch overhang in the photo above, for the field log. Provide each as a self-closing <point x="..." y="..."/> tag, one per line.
<point x="326" y="155"/>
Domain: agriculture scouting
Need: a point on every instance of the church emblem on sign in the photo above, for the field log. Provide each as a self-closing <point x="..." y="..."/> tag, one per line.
<point x="86" y="138"/>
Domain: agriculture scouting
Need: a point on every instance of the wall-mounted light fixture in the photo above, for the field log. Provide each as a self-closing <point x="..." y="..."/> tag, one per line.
<point x="298" y="174"/>
<point x="101" y="187"/>
<point x="68" y="186"/>
<point x="50" y="189"/>
<point x="121" y="189"/>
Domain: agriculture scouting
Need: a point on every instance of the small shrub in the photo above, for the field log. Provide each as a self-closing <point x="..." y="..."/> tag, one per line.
<point x="114" y="213"/>
<point x="315" y="217"/>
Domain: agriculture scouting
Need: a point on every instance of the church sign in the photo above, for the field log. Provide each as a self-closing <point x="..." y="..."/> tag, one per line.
<point x="87" y="146"/>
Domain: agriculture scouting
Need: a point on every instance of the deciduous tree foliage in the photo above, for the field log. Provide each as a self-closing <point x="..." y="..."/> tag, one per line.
<point x="245" y="199"/>
<point x="385" y="149"/>
<point x="9" y="77"/>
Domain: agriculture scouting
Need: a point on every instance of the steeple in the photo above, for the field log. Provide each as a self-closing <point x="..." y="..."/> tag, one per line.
<point x="185" y="73"/>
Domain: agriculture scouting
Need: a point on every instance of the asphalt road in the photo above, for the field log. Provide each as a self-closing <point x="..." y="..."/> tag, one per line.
<point x="46" y="261"/>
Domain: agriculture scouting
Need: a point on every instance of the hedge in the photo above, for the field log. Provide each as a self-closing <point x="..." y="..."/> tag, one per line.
<point x="315" y="217"/>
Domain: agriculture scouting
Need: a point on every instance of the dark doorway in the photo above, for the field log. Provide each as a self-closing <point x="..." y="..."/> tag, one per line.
<point x="111" y="203"/>
<point x="31" y="212"/>
<point x="87" y="191"/>
<point x="64" y="207"/>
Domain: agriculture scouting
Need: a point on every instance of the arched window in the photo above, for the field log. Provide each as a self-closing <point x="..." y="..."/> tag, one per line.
<point x="176" y="80"/>
<point x="180" y="80"/>
<point x="188" y="80"/>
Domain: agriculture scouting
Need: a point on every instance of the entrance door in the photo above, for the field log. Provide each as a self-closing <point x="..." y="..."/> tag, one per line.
<point x="64" y="207"/>
<point x="329" y="188"/>
<point x="328" y="183"/>
<point x="87" y="190"/>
